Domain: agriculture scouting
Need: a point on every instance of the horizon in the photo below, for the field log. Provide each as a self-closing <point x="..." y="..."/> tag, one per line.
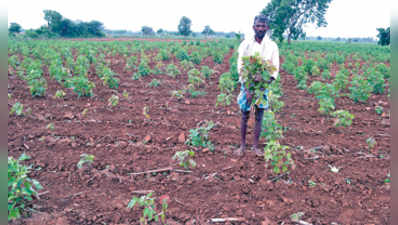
<point x="237" y="18"/>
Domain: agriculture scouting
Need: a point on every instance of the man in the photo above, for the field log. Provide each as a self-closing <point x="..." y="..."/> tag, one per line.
<point x="268" y="50"/>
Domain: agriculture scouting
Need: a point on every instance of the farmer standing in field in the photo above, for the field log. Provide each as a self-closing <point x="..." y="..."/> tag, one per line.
<point x="268" y="50"/>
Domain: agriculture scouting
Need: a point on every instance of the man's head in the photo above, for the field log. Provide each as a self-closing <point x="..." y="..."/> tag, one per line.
<point x="260" y="25"/>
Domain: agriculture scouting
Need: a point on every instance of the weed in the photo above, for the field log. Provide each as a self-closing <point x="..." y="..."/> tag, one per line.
<point x="149" y="212"/>
<point x="185" y="158"/>
<point x="17" y="109"/>
<point x="85" y="158"/>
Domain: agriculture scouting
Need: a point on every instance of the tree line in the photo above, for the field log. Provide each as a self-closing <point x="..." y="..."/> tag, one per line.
<point x="286" y="19"/>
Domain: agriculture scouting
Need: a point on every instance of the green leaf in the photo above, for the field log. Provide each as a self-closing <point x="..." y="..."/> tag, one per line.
<point x="132" y="202"/>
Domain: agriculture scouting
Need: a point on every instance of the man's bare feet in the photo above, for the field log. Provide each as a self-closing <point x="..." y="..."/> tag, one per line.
<point x="258" y="151"/>
<point x="240" y="151"/>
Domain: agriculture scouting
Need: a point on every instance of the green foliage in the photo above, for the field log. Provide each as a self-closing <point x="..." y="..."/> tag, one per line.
<point x="272" y="130"/>
<point x="289" y="16"/>
<point x="343" y="118"/>
<point x="196" y="57"/>
<point x="81" y="85"/>
<point x="85" y="159"/>
<point x="326" y="74"/>
<point x="149" y="212"/>
<point x="143" y="68"/>
<point x="165" y="54"/>
<point x="256" y="73"/>
<point x="185" y="158"/>
<point x="360" y="89"/>
<point x="179" y="94"/>
<point x="154" y="83"/>
<point x="379" y="109"/>
<point x="17" y="109"/>
<point x="184" y="27"/>
<point x="376" y="80"/>
<point x="21" y="188"/>
<point x="14" y="28"/>
<point x="172" y="70"/>
<point x="206" y="72"/>
<point x="187" y="65"/>
<point x="195" y="78"/>
<point x="182" y="54"/>
<point x="371" y="143"/>
<point x="218" y="57"/>
<point x="113" y="100"/>
<point x="340" y="81"/>
<point x="278" y="156"/>
<point x="384" y="36"/>
<point x="199" y="136"/>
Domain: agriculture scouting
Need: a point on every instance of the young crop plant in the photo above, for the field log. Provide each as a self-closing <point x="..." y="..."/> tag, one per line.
<point x="341" y="81"/>
<point x="85" y="159"/>
<point x="81" y="85"/>
<point x="277" y="155"/>
<point x="113" y="100"/>
<point x="108" y="76"/>
<point x="179" y="94"/>
<point x="164" y="54"/>
<point x="376" y="80"/>
<point x="21" y="188"/>
<point x="185" y="158"/>
<point x="154" y="83"/>
<point x="371" y="143"/>
<point x="226" y="85"/>
<point x="182" y="55"/>
<point x="218" y="57"/>
<point x="149" y="212"/>
<point x="187" y="65"/>
<point x="379" y="110"/>
<point x="343" y="118"/>
<point x="196" y="57"/>
<point x="195" y="78"/>
<point x="131" y="63"/>
<point x="59" y="94"/>
<point x="326" y="74"/>
<point x="125" y="94"/>
<point x="206" y="72"/>
<point x="17" y="109"/>
<point x="143" y="68"/>
<point x="255" y="75"/>
<point x="172" y="71"/>
<point x="360" y="89"/>
<point x="272" y="129"/>
<point x="199" y="136"/>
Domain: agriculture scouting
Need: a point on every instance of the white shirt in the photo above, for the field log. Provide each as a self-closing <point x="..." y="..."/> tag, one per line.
<point x="268" y="50"/>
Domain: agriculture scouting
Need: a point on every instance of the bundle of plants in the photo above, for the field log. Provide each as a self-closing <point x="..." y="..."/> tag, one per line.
<point x="256" y="76"/>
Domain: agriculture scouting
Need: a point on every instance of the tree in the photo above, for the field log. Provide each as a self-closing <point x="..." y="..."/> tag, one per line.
<point x="147" y="30"/>
<point x="53" y="19"/>
<point x="14" y="28"/>
<point x="160" y="31"/>
<point x="208" y="31"/>
<point x="184" y="27"/>
<point x="384" y="36"/>
<point x="289" y="16"/>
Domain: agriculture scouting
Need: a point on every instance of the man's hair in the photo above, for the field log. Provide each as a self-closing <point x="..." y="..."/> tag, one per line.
<point x="261" y="18"/>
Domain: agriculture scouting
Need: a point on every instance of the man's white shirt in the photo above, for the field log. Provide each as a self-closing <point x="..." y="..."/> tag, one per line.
<point x="268" y="50"/>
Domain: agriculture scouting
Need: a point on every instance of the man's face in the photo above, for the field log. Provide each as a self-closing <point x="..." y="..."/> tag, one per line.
<point x="260" y="28"/>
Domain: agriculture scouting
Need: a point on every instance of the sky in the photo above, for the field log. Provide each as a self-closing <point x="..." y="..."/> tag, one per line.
<point x="346" y="18"/>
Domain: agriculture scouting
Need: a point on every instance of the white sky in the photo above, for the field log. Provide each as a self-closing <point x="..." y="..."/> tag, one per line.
<point x="346" y="18"/>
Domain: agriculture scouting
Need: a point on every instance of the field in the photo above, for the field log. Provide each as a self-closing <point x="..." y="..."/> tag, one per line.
<point x="133" y="104"/>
